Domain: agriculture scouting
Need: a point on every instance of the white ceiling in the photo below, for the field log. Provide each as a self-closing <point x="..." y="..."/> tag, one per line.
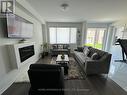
<point x="81" y="10"/>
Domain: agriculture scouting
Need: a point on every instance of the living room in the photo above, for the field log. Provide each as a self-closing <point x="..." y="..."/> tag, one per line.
<point x="61" y="33"/>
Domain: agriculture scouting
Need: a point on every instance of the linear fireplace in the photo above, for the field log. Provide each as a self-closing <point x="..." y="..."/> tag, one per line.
<point x="26" y="52"/>
<point x="21" y="54"/>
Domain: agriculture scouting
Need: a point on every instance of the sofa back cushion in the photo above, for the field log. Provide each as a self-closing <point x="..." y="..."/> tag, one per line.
<point x="65" y="46"/>
<point x="54" y="46"/>
<point x="99" y="52"/>
<point x="60" y="46"/>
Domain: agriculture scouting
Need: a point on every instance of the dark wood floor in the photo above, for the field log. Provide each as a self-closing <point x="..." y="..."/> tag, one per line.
<point x="92" y="85"/>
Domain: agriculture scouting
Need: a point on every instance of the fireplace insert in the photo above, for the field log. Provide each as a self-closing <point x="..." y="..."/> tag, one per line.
<point x="26" y="52"/>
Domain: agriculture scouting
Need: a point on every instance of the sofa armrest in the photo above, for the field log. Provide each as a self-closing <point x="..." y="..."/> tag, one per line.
<point x="80" y="49"/>
<point x="92" y="64"/>
<point x="96" y="66"/>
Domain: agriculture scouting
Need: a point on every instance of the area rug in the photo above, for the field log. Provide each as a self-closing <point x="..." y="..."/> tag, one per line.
<point x="73" y="71"/>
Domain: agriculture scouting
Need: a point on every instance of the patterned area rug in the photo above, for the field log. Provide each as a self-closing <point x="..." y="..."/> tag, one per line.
<point x="73" y="71"/>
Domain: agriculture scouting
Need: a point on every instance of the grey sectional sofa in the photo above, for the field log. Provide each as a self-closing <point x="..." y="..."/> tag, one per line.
<point x="99" y="65"/>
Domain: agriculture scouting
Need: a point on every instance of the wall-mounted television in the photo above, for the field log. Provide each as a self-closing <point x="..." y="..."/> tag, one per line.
<point x="19" y="27"/>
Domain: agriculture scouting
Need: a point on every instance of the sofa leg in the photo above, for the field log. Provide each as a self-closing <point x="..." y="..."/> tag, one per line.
<point x="84" y="75"/>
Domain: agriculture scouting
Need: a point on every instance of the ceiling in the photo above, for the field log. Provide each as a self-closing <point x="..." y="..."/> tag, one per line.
<point x="81" y="10"/>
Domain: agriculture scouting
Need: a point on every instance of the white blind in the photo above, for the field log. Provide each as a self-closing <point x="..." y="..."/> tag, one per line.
<point x="52" y="35"/>
<point x="73" y="33"/>
<point x="62" y="35"/>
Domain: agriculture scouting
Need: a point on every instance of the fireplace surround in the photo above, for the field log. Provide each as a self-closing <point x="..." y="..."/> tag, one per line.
<point x="21" y="54"/>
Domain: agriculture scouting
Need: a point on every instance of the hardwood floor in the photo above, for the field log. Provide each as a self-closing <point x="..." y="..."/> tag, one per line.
<point x="105" y="86"/>
<point x="77" y="87"/>
<point x="45" y="60"/>
<point x="92" y="85"/>
<point x="18" y="89"/>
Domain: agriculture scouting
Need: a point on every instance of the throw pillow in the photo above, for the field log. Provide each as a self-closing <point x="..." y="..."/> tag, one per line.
<point x="60" y="46"/>
<point x="54" y="46"/>
<point x="86" y="51"/>
<point x="94" y="56"/>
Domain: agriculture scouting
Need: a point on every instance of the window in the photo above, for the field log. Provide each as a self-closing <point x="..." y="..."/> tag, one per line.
<point x="95" y="37"/>
<point x="73" y="35"/>
<point x="62" y="35"/>
<point x="52" y="35"/>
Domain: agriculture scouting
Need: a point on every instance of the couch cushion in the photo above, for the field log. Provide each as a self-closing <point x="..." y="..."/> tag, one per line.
<point x="81" y="57"/>
<point x="94" y="56"/>
<point x="65" y="46"/>
<point x="60" y="46"/>
<point x="54" y="46"/>
<point x="86" y="51"/>
<point x="99" y="52"/>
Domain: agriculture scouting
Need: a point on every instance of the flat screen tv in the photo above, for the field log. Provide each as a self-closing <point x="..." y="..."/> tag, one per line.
<point x="19" y="27"/>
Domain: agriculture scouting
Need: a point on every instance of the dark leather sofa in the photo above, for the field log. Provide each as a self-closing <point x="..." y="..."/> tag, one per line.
<point x="59" y="49"/>
<point x="46" y="79"/>
<point x="89" y="66"/>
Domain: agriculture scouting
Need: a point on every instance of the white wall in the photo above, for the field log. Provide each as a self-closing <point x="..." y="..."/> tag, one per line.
<point x="6" y="72"/>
